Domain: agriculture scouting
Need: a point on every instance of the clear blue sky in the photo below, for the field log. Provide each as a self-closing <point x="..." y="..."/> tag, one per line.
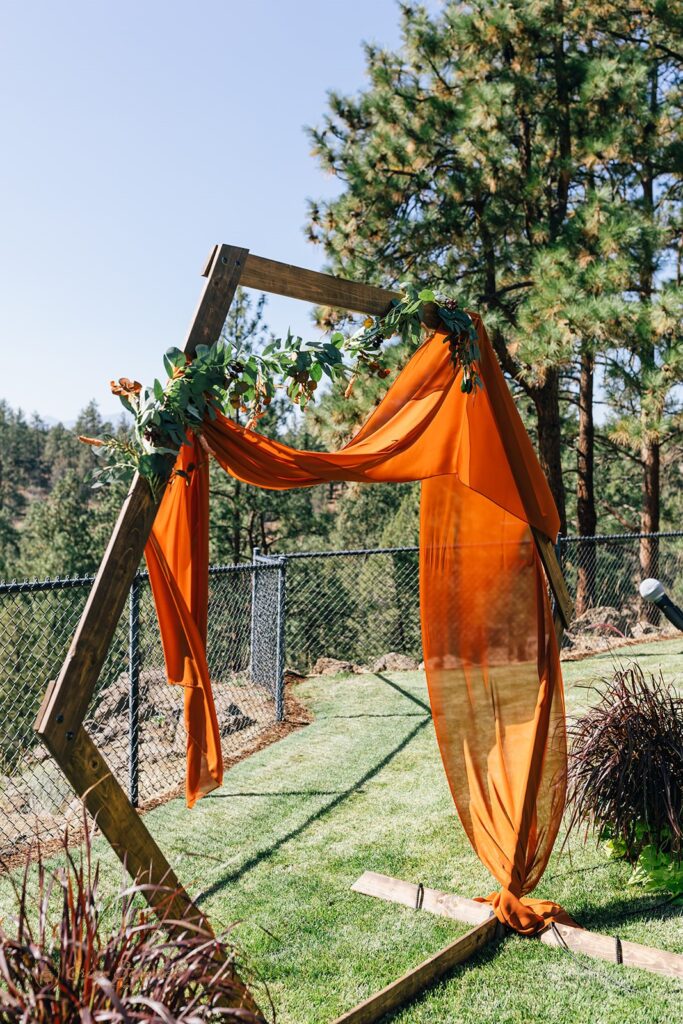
<point x="135" y="135"/>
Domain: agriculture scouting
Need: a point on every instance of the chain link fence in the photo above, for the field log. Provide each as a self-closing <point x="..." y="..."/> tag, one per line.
<point x="295" y="612"/>
<point x="135" y="717"/>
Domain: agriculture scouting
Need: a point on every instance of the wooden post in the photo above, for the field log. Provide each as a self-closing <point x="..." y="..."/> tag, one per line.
<point x="60" y="719"/>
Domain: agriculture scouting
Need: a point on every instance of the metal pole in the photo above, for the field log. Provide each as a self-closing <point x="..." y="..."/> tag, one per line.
<point x="134" y="691"/>
<point x="280" y="641"/>
<point x="252" y="636"/>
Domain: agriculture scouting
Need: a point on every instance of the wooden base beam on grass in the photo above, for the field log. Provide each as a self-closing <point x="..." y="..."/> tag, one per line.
<point x="574" y="939"/>
<point x="415" y="981"/>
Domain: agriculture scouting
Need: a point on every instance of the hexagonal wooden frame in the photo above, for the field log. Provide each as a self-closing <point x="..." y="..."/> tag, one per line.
<point x="60" y="720"/>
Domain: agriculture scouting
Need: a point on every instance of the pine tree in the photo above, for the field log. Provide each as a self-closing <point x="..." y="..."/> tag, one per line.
<point x="646" y="163"/>
<point x="466" y="162"/>
<point x="56" y="538"/>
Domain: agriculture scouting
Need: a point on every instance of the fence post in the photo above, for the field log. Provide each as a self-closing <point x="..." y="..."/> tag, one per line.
<point x="134" y="691"/>
<point x="252" y="635"/>
<point x="280" y="640"/>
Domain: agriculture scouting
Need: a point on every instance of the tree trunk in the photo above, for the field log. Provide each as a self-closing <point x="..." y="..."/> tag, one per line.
<point x="649" y="519"/>
<point x="586" y="516"/>
<point x="649" y="449"/>
<point x="546" y="399"/>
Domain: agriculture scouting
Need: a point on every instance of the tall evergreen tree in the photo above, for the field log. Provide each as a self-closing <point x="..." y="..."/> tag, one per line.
<point x="645" y="52"/>
<point x="466" y="163"/>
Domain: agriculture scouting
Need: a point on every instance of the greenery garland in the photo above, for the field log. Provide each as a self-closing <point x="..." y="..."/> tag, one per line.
<point x="220" y="378"/>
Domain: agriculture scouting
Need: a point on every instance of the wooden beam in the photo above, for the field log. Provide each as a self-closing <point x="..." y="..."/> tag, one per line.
<point x="92" y="780"/>
<point x="312" y="286"/>
<point x="415" y="981"/>
<point x="324" y="289"/>
<point x="395" y="890"/>
<point x="60" y="719"/>
<point x="603" y="947"/>
<point x="578" y="940"/>
<point x="556" y="580"/>
<point x="62" y="714"/>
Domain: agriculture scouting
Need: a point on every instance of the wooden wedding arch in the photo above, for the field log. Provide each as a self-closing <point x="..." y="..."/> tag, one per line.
<point x="59" y="723"/>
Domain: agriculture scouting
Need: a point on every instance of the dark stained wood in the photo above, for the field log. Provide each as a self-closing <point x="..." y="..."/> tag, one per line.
<point x="59" y="721"/>
<point x="64" y="711"/>
<point x="94" y="783"/>
<point x="578" y="940"/>
<point x="129" y="838"/>
<point x="221" y="284"/>
<point x="312" y="286"/>
<point x="556" y="580"/>
<point x="399" y="992"/>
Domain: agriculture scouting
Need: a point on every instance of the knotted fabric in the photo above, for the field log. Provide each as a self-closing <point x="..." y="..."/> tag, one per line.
<point x="489" y="645"/>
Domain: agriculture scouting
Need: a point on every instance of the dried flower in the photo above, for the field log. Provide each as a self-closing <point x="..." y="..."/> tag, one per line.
<point x="125" y="387"/>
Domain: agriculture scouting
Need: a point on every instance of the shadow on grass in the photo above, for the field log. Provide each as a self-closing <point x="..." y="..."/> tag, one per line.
<point x="276" y="792"/>
<point x="483" y="956"/>
<point x="373" y="714"/>
<point x="620" y="911"/>
<point x="405" y="693"/>
<point x="331" y="805"/>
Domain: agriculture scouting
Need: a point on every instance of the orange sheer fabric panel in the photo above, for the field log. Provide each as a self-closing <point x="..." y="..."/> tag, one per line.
<point x="489" y="645"/>
<point x="177" y="555"/>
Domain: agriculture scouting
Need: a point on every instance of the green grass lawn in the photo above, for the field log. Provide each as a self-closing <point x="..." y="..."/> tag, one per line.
<point x="278" y="847"/>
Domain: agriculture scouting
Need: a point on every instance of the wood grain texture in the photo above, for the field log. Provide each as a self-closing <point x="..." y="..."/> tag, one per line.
<point x="222" y="279"/>
<point x="59" y="721"/>
<point x="324" y="289"/>
<point x="603" y="947"/>
<point x="93" y="781"/>
<point x="64" y="711"/>
<point x="556" y="580"/>
<point x="129" y="838"/>
<point x="312" y="286"/>
<point x="444" y="904"/>
<point x="578" y="940"/>
<point x="411" y="984"/>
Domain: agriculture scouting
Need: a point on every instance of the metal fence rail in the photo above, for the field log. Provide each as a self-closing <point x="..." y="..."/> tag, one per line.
<point x="359" y="607"/>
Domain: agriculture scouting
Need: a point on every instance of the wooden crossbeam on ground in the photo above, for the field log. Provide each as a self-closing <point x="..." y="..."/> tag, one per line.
<point x="575" y="939"/>
<point x="415" y="981"/>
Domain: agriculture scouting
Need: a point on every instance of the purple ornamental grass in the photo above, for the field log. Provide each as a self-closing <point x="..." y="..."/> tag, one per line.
<point x="69" y="959"/>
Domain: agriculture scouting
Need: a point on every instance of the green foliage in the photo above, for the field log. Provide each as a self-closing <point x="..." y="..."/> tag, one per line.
<point x="56" y="538"/>
<point x="529" y="155"/>
<point x="659" y="870"/>
<point x="224" y="376"/>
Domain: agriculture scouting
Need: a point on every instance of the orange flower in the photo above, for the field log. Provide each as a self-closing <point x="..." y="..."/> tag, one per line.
<point x="125" y="387"/>
<point x="94" y="441"/>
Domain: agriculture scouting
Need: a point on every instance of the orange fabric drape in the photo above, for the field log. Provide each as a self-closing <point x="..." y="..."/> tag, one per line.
<point x="489" y="646"/>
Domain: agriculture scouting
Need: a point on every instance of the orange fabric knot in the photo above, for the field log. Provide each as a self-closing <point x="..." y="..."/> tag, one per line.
<point x="525" y="916"/>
